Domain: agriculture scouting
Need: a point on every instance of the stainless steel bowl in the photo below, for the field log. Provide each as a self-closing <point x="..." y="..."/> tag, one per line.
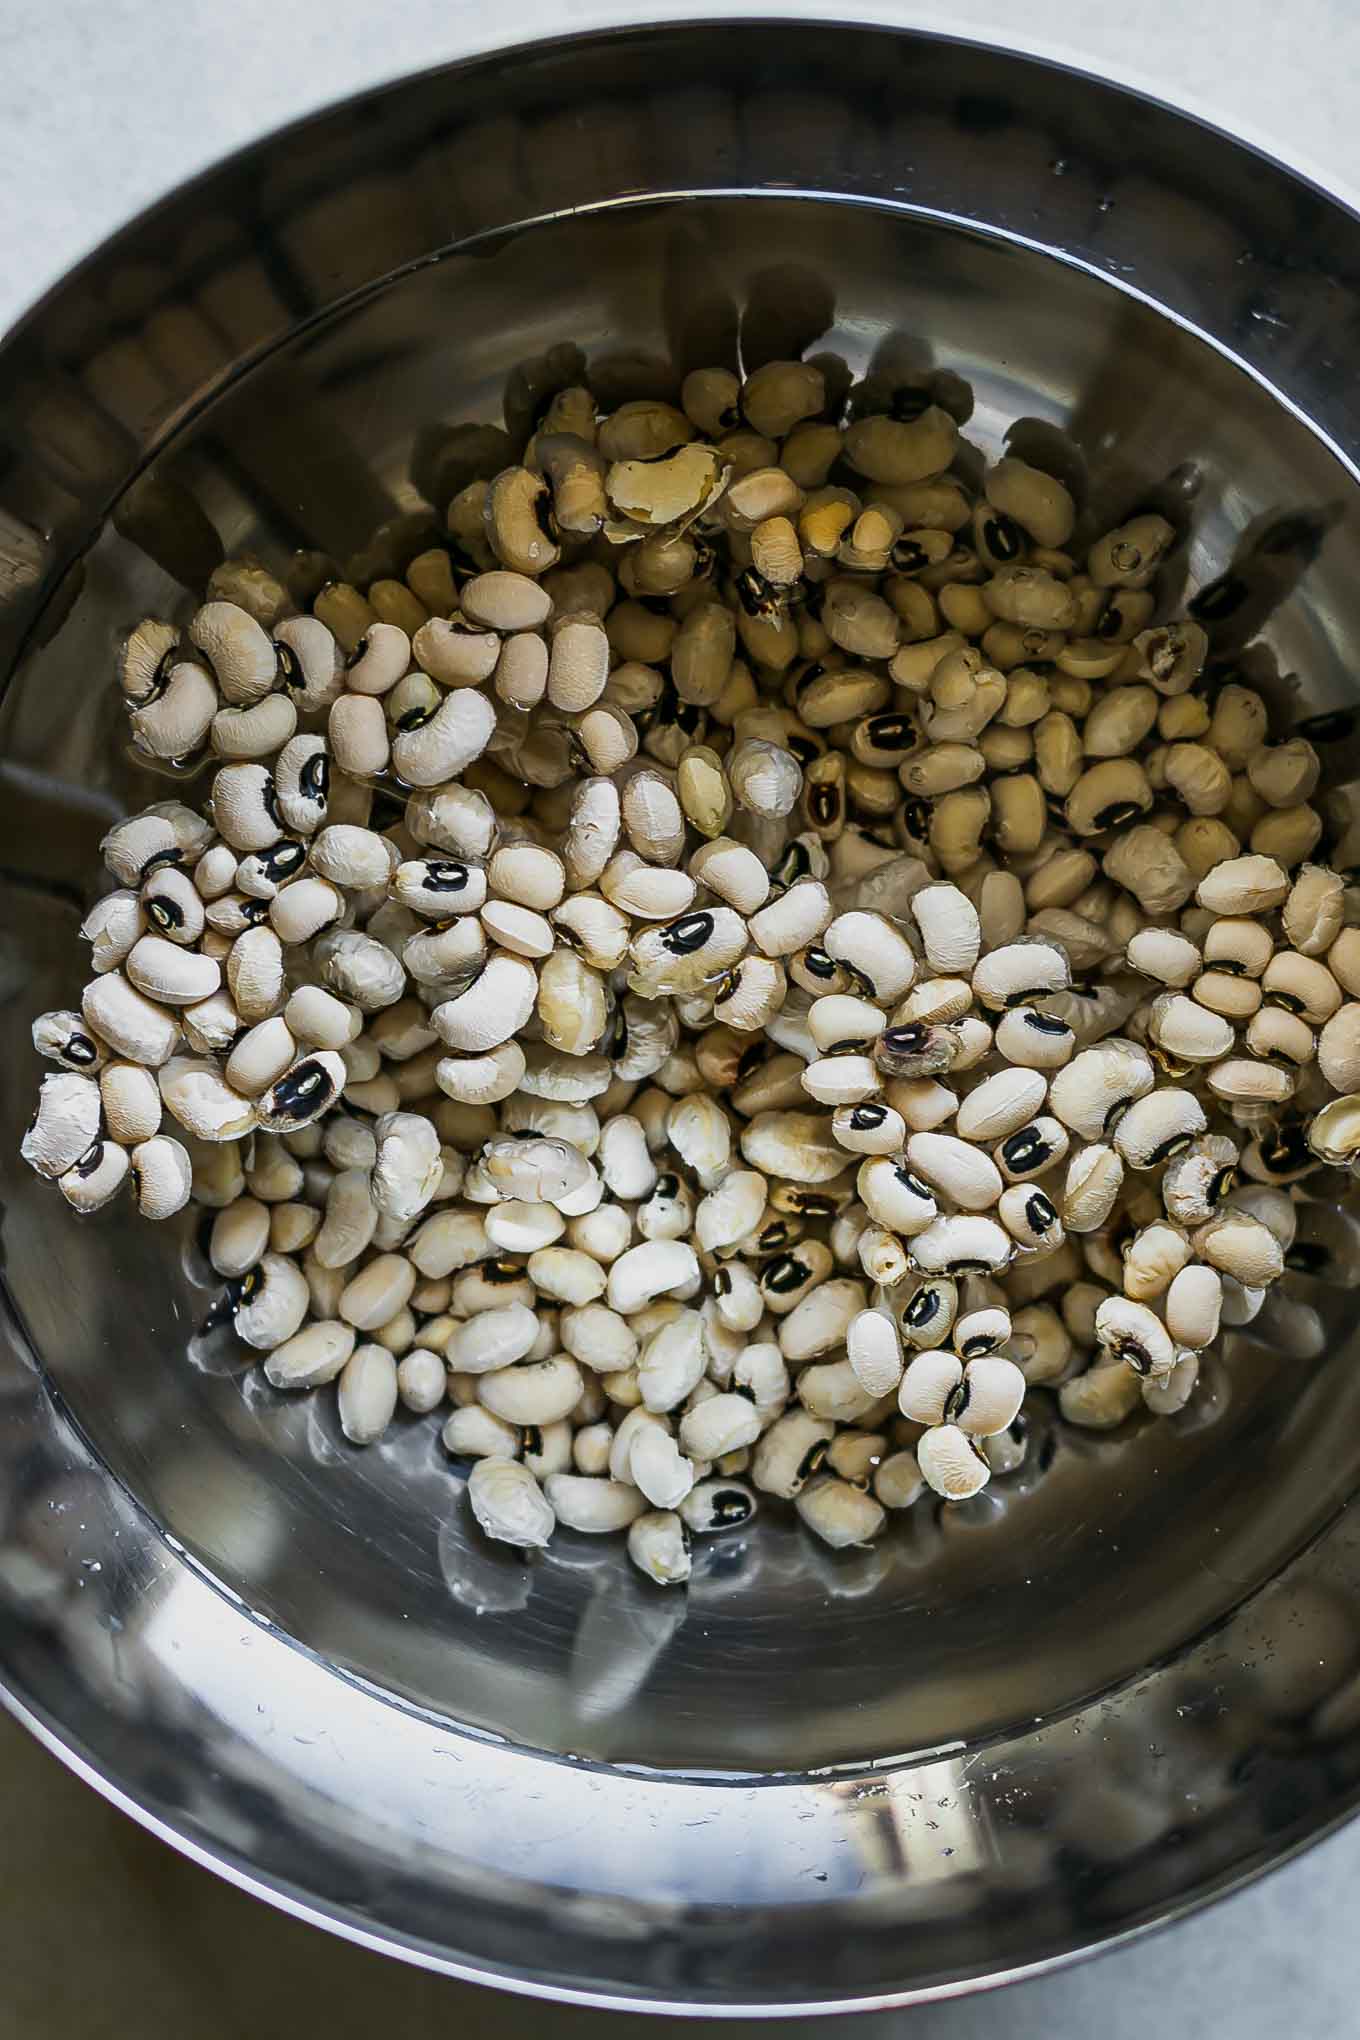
<point x="1118" y="1684"/>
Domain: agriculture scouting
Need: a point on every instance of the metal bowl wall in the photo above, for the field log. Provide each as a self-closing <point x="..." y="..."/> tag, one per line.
<point x="813" y="1779"/>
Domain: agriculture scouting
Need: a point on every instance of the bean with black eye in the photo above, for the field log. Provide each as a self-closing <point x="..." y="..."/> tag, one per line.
<point x="303" y="1092"/>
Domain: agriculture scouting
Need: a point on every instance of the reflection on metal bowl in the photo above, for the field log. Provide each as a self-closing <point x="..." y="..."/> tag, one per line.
<point x="1123" y="1679"/>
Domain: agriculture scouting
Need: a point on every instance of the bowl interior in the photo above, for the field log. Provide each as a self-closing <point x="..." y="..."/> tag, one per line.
<point x="1102" y="1554"/>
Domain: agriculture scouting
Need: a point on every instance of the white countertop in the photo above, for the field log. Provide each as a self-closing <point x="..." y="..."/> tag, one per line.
<point x="105" y="105"/>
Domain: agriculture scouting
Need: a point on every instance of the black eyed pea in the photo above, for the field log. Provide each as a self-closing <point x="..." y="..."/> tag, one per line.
<point x="131" y="1101"/>
<point x="1198" y="777"/>
<point x="141" y="844"/>
<point x="367" y="1393"/>
<point x="1133" y="1334"/>
<point x="1239" y="1245"/>
<point x="1152" y="1258"/>
<point x="1019" y="814"/>
<point x="1172" y="655"/>
<point x="262" y="874"/>
<point x="1002" y="1104"/>
<point x="895" y="1197"/>
<point x="1129" y="556"/>
<point x="841" y="1513"/>
<point x="1284" y="775"/>
<point x="1032" y="1039"/>
<point x="1041" y="1345"/>
<point x="509" y="1504"/>
<point x="1159" y="1126"/>
<point x="1245" y="1084"/>
<point x="64" y="1038"/>
<point x="703" y="792"/>
<point x="828" y="1389"/>
<point x="240" y="652"/>
<point x="271" y="1302"/>
<point x="592" y="834"/>
<point x="245" y="807"/>
<point x="718" y="1504"/>
<point x="493" y="1008"/>
<point x="1338" y="1049"/>
<point x="145" y="658"/>
<point x="1119" y="722"/>
<point x="1313" y="912"/>
<point x="1092" y="1184"/>
<point x="1036" y="500"/>
<point x="897" y="1481"/>
<point x="1205" y="841"/>
<point x="894" y="451"/>
<point x="254" y="974"/>
<point x="378" y="1292"/>
<point x="439" y="887"/>
<point x="357" y="734"/>
<point x="1102" y="1397"/>
<point x="928" y="1312"/>
<point x="750" y="995"/>
<point x="1193" y="1305"/>
<point x="648" y="892"/>
<point x="1278" y="1036"/>
<point x="874" y="1351"/>
<point x="379" y="660"/>
<point x="1018" y="973"/>
<point x="1032" y="1149"/>
<point x="821" y="1317"/>
<point x="869" y="1128"/>
<point x="966" y="1177"/>
<point x="473" y="1433"/>
<point x="127" y="1021"/>
<point x="663" y="492"/>
<point x="177" y="717"/>
<point x="162" y="1177"/>
<point x="422" y="1380"/>
<point x="1108" y="796"/>
<point x="112" y="926"/>
<point x="534" y="1392"/>
<point x="1227" y="993"/>
<point x="1030" y="1217"/>
<point x="311" y="1357"/>
<point x="173" y="905"/>
<point x="1300" y="984"/>
<point x="260" y="1057"/>
<point x="875" y="950"/>
<point x="987" y="1397"/>
<point x="439" y="746"/>
<point x="1196" y="1181"/>
<point x="1251" y="884"/>
<point x="792" y="1268"/>
<point x="1099" y="1085"/>
<point x="658" y="1545"/>
<point x="1164" y="954"/>
<point x="1168" y="1393"/>
<point x="790" y="1453"/>
<point x="95" y="1176"/>
<point x="1031" y="598"/>
<point x="961" y="1244"/>
<point x="957" y="823"/>
<point x="951" y="1463"/>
